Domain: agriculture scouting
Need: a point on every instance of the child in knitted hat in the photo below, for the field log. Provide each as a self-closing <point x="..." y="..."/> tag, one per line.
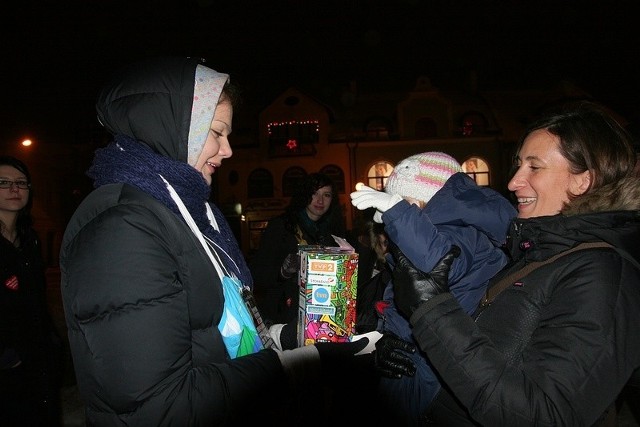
<point x="429" y="204"/>
<point x="420" y="176"/>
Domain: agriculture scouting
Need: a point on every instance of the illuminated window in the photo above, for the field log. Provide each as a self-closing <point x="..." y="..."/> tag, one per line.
<point x="477" y="169"/>
<point x="378" y="174"/>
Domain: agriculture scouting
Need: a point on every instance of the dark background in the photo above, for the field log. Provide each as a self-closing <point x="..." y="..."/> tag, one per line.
<point x="56" y="54"/>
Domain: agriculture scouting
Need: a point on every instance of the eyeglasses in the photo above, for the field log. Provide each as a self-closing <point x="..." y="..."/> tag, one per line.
<point x="23" y="185"/>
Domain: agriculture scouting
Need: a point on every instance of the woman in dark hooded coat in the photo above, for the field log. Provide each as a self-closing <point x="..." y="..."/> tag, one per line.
<point x="142" y="296"/>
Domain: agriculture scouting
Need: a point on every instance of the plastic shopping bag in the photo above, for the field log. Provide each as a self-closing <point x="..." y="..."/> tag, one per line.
<point x="236" y="325"/>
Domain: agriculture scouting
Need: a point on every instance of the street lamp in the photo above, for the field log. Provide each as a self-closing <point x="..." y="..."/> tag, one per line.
<point x="26" y="143"/>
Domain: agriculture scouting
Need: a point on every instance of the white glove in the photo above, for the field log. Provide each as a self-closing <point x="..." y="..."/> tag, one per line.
<point x="372" y="337"/>
<point x="274" y="333"/>
<point x="367" y="197"/>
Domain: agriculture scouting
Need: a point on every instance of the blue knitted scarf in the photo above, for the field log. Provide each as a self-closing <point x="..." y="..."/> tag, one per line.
<point x="126" y="160"/>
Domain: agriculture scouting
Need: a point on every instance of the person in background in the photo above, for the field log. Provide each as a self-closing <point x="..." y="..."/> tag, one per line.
<point x="379" y="244"/>
<point x="31" y="362"/>
<point x="427" y="205"/>
<point x="373" y="273"/>
<point x="312" y="216"/>
<point x="141" y="291"/>
<point x="558" y="343"/>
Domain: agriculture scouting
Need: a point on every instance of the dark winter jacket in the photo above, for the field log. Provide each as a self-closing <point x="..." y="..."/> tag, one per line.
<point x="25" y="323"/>
<point x="27" y="335"/>
<point x="142" y="300"/>
<point x="277" y="297"/>
<point x="461" y="213"/>
<point x="557" y="347"/>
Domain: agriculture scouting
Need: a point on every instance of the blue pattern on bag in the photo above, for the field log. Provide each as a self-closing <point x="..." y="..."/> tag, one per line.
<point x="238" y="330"/>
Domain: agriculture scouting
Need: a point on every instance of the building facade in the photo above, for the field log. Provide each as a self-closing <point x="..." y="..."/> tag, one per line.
<point x="363" y="137"/>
<point x="359" y="138"/>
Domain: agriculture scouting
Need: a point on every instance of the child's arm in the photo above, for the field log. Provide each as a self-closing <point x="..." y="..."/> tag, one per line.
<point x="423" y="242"/>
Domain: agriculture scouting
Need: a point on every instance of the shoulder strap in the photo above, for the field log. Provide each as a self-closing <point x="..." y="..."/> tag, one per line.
<point x="506" y="281"/>
<point x="217" y="263"/>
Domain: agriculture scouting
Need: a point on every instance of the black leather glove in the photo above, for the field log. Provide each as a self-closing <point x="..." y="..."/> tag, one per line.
<point x="325" y="359"/>
<point x="284" y="336"/>
<point x="337" y="353"/>
<point x="290" y="266"/>
<point x="389" y="359"/>
<point x="413" y="287"/>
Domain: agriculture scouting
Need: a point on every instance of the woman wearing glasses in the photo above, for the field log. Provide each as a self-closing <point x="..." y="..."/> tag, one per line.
<point x="30" y="348"/>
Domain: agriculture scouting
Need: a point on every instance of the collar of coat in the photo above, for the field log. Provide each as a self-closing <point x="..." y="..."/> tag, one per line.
<point x="609" y="214"/>
<point x="623" y="195"/>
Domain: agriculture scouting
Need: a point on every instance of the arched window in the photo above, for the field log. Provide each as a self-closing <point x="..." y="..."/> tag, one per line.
<point x="477" y="169"/>
<point x="378" y="174"/>
<point x="426" y="128"/>
<point x="260" y="184"/>
<point x="290" y="180"/>
<point x="336" y="174"/>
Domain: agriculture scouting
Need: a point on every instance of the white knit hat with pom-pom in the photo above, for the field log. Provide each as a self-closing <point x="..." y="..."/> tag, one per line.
<point x="420" y="176"/>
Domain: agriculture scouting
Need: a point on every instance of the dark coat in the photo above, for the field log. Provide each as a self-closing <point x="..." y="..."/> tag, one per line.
<point x="142" y="300"/>
<point x="27" y="333"/>
<point x="558" y="346"/>
<point x="278" y="297"/>
<point x="461" y="213"/>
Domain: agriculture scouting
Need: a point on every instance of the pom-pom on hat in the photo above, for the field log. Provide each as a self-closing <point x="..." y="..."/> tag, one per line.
<point x="420" y="176"/>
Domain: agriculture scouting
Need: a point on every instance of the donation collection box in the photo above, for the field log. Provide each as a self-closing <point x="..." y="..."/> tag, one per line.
<point x="327" y="284"/>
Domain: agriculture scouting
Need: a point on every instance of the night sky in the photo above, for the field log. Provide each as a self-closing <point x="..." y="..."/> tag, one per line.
<point x="56" y="54"/>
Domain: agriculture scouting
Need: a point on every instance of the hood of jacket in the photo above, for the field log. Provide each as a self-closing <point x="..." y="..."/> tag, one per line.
<point x="153" y="100"/>
<point x="610" y="214"/>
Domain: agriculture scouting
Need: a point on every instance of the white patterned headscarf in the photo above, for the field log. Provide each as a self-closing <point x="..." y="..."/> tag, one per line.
<point x="206" y="93"/>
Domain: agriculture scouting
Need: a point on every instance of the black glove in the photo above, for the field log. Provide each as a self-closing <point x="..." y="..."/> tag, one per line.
<point x="339" y="353"/>
<point x="413" y="287"/>
<point x="389" y="359"/>
<point x="315" y="362"/>
<point x="284" y="336"/>
<point x="383" y="352"/>
<point x="290" y="266"/>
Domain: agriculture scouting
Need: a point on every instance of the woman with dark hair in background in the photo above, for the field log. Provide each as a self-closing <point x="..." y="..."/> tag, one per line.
<point x="312" y="216"/>
<point x="30" y="348"/>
